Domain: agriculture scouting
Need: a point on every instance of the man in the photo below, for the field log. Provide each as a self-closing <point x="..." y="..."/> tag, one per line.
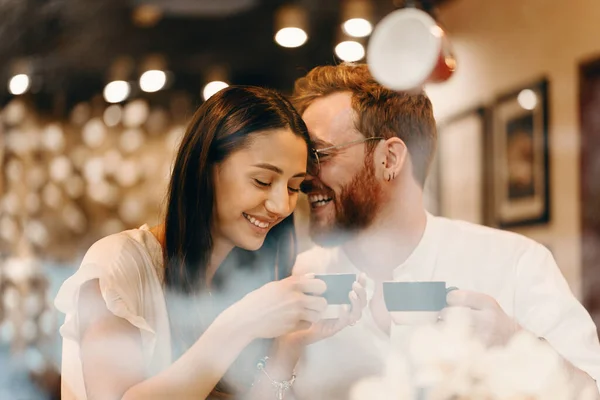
<point x="373" y="150"/>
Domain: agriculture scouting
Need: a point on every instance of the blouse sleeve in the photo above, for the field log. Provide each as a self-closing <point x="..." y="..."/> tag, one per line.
<point x="121" y="267"/>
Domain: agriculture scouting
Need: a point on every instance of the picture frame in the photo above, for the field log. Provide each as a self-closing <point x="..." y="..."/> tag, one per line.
<point x="461" y="166"/>
<point x="520" y="162"/>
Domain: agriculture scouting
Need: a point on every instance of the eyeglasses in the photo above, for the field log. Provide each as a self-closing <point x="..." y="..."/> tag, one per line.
<point x="319" y="155"/>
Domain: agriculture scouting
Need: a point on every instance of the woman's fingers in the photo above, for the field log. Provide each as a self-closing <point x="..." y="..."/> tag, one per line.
<point x="361" y="293"/>
<point x="308" y="284"/>
<point x="316" y="303"/>
<point x="311" y="316"/>
<point x="355" y="311"/>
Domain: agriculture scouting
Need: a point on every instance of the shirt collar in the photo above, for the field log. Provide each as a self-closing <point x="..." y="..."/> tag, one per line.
<point x="421" y="262"/>
<point x="419" y="265"/>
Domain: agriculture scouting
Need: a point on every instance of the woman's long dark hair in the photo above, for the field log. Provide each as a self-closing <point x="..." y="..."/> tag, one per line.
<point x="225" y="123"/>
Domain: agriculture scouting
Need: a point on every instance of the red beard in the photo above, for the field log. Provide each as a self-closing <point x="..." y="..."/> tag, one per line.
<point x="355" y="209"/>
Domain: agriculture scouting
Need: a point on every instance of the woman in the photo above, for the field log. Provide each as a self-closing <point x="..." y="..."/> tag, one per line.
<point x="211" y="283"/>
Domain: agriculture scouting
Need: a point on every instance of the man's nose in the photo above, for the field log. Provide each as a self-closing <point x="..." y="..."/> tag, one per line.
<point x="307" y="185"/>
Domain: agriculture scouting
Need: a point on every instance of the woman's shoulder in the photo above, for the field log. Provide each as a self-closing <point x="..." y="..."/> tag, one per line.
<point x="134" y="250"/>
<point x="111" y="247"/>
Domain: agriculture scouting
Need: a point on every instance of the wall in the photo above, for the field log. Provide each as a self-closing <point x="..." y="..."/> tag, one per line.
<point x="501" y="45"/>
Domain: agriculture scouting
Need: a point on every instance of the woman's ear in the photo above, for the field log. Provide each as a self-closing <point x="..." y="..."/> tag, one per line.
<point x="392" y="156"/>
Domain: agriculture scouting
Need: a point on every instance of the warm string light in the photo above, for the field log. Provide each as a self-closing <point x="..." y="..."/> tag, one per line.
<point x="291" y="37"/>
<point x="116" y="91"/>
<point x="19" y="84"/>
<point x="213" y="87"/>
<point x="291" y="26"/>
<point x="350" y="50"/>
<point x="356" y="18"/>
<point x="357" y="27"/>
<point x="153" y="80"/>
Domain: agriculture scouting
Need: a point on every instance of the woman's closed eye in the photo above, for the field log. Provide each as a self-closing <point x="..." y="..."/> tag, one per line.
<point x="266" y="185"/>
<point x="261" y="183"/>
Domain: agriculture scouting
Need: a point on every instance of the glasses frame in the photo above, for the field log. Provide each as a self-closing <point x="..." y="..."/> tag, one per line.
<point x="315" y="152"/>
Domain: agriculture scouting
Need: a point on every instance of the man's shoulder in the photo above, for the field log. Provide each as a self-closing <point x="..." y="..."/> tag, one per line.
<point x="484" y="259"/>
<point x="478" y="231"/>
<point x="459" y="234"/>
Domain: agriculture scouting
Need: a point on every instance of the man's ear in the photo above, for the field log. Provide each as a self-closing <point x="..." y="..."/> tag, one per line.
<point x="391" y="158"/>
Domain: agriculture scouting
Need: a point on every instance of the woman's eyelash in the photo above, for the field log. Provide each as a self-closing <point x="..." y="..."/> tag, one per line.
<point x="265" y="184"/>
<point x="261" y="183"/>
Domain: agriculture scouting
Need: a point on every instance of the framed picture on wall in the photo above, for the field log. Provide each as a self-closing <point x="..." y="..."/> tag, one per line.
<point x="461" y="166"/>
<point x="520" y="157"/>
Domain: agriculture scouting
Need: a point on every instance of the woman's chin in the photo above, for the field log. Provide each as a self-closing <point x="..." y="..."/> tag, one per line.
<point x="251" y="244"/>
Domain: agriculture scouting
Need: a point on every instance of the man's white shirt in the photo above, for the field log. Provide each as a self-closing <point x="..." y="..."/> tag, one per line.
<point x="518" y="272"/>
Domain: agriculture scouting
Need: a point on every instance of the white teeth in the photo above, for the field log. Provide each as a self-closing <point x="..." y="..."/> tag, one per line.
<point x="319" y="198"/>
<point x="257" y="222"/>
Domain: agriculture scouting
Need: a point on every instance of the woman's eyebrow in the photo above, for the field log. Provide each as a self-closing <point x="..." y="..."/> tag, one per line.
<point x="277" y="170"/>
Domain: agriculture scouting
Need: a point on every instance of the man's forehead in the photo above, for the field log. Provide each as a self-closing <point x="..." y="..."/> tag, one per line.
<point x="330" y="119"/>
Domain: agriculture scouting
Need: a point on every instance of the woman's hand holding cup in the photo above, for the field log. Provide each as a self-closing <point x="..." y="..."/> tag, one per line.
<point x="281" y="307"/>
<point x="324" y="328"/>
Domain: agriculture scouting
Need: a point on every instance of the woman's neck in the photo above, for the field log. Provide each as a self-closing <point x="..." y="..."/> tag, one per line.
<point x="220" y="250"/>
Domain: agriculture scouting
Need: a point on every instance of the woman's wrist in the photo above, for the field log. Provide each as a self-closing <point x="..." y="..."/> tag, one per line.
<point x="232" y="322"/>
<point x="286" y="352"/>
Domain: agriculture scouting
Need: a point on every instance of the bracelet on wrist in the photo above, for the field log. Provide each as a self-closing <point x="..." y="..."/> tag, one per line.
<point x="280" y="386"/>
